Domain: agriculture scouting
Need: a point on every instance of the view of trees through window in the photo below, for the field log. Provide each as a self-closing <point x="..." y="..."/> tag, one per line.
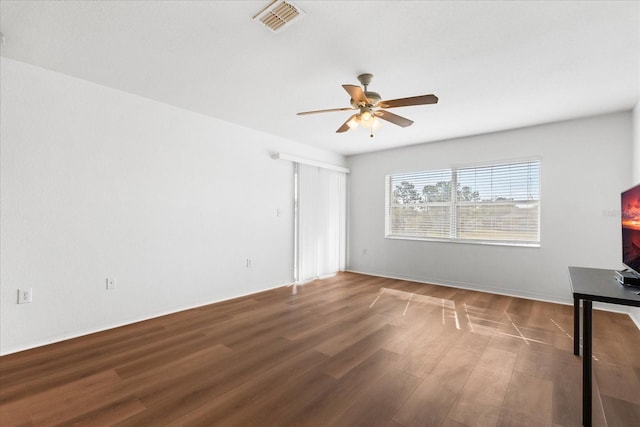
<point x="496" y="203"/>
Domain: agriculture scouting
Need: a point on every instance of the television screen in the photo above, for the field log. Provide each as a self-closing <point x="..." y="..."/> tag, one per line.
<point x="630" y="213"/>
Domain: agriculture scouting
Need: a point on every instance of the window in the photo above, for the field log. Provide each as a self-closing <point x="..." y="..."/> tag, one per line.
<point x="497" y="203"/>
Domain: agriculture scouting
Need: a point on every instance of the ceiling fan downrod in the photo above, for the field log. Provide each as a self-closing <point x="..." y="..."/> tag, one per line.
<point x="365" y="80"/>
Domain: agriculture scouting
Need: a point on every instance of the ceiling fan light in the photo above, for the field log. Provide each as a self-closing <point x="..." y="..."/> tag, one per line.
<point x="353" y="123"/>
<point x="372" y="123"/>
<point x="366" y="116"/>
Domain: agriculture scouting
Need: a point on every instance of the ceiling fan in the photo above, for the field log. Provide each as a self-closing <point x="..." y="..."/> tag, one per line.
<point x="370" y="107"/>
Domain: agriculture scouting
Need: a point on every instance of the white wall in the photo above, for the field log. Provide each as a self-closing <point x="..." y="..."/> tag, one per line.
<point x="584" y="169"/>
<point x="96" y="182"/>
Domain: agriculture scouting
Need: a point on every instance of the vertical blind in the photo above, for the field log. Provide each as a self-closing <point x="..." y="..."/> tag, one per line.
<point x="321" y="222"/>
<point x="497" y="203"/>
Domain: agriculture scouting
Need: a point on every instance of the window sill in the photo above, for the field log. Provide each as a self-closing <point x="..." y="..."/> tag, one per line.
<point x="471" y="242"/>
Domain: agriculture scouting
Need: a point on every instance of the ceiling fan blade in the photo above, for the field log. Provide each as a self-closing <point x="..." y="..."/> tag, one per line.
<point x="356" y="93"/>
<point x="405" y="102"/>
<point x="394" y="118"/>
<point x="345" y="127"/>
<point x="325" y="111"/>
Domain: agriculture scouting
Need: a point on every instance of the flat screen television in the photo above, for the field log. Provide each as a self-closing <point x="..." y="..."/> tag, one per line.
<point x="630" y="215"/>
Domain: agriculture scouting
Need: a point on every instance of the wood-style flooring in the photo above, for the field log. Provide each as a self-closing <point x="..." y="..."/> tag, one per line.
<point x="353" y="350"/>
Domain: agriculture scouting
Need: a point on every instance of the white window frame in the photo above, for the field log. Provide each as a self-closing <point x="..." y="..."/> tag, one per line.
<point x="455" y="205"/>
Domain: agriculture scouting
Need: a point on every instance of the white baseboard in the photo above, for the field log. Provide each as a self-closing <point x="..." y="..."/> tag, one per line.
<point x="473" y="287"/>
<point x="83" y="332"/>
<point x="507" y="292"/>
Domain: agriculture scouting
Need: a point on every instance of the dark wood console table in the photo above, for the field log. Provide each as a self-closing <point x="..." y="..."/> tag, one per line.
<point x="588" y="285"/>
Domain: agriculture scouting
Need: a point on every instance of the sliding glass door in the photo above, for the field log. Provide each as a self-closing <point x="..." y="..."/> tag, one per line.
<point x="320" y="222"/>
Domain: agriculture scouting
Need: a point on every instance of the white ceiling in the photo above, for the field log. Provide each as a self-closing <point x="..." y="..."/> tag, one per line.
<point x="494" y="65"/>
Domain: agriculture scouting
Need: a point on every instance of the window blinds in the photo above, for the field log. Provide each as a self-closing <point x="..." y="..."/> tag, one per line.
<point x="497" y="203"/>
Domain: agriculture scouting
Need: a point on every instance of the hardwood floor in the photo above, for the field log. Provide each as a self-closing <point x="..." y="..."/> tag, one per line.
<point x="353" y="350"/>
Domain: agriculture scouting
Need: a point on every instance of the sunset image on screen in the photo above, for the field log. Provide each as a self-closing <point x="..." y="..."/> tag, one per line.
<point x="631" y="209"/>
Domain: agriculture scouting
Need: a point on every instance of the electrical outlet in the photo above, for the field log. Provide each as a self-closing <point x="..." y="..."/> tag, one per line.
<point x="111" y="283"/>
<point x="25" y="296"/>
<point x="248" y="262"/>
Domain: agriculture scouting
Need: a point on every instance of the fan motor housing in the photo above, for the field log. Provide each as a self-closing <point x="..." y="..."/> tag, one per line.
<point x="372" y="97"/>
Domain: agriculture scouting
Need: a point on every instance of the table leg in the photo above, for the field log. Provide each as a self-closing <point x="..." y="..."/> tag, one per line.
<point x="586" y="362"/>
<point x="576" y="326"/>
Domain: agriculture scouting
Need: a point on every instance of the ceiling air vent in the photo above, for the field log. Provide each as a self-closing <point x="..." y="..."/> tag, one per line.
<point x="278" y="15"/>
